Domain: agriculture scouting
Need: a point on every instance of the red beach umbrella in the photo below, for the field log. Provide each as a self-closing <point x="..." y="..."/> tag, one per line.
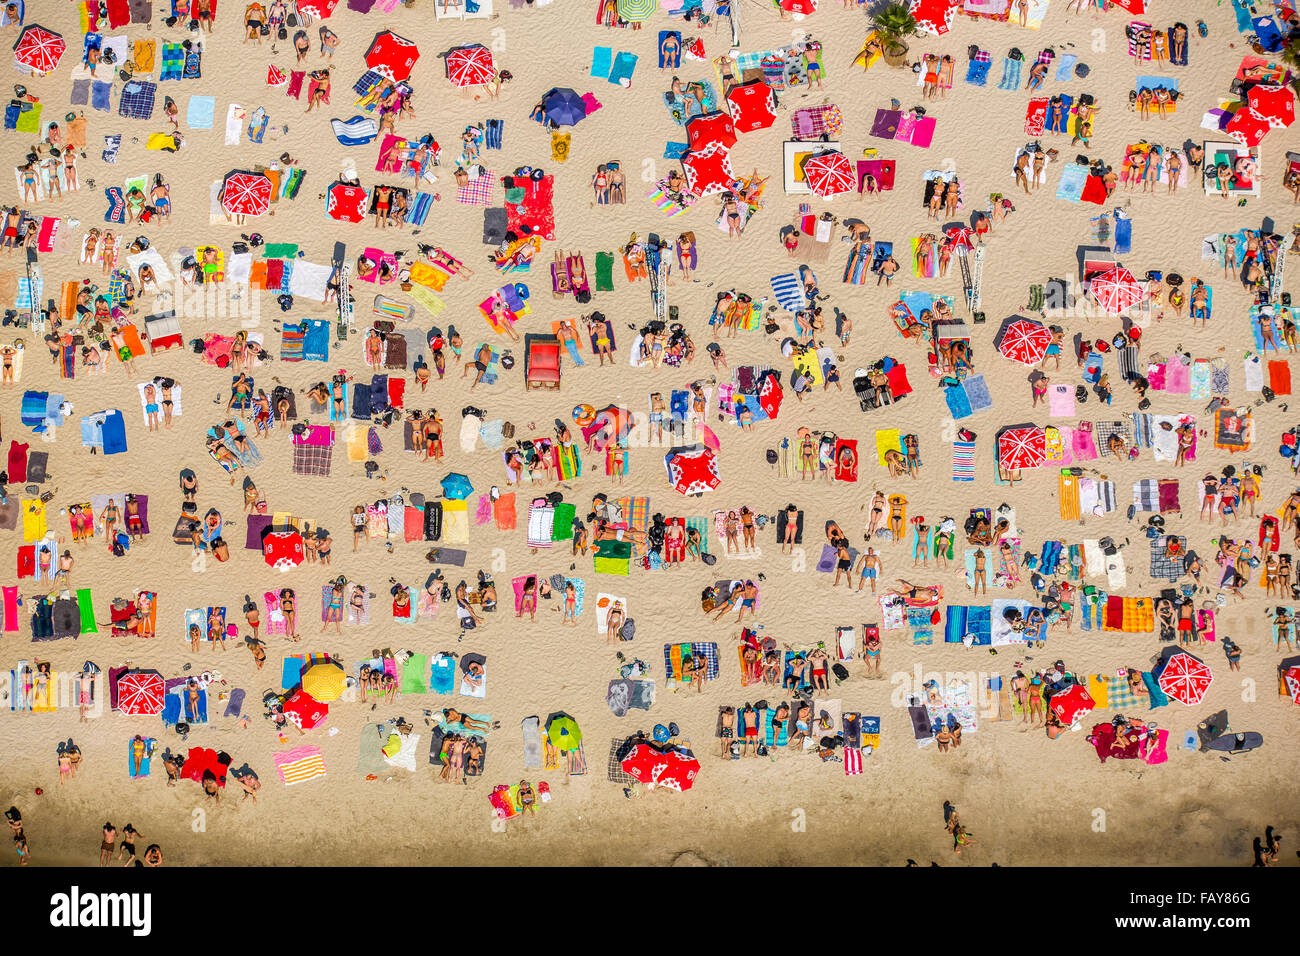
<point x="304" y="710"/>
<point x="1022" y="448"/>
<point x="470" y="66"/>
<point x="805" y="7"/>
<point x="346" y="203"/>
<point x="674" y="769"/>
<point x="317" y="8"/>
<point x="933" y="16"/>
<point x="1247" y="127"/>
<point x="708" y="171"/>
<point x="693" y="470"/>
<point x="246" y="194"/>
<point x="1072" y="704"/>
<point x="752" y="106"/>
<point x="1274" y="103"/>
<point x="1292" y="678"/>
<point x="1185" y="679"/>
<point x="709" y="128"/>
<point x="829" y="174"/>
<point x="1116" y="290"/>
<point x="392" y="55"/>
<point x="140" y="693"/>
<point x="1024" y="341"/>
<point x="39" y="49"/>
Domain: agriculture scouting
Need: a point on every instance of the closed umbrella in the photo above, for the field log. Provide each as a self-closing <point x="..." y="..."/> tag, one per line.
<point x="829" y="174"/>
<point x="692" y="470"/>
<point x="324" y="682"/>
<point x="1022" y="448"/>
<point x="564" y="107"/>
<point x="392" y="55"/>
<point x="1116" y="290"/>
<point x="246" y="194"/>
<point x="709" y="170"/>
<point x="1023" y="340"/>
<point x="1185" y="678"/>
<point x="562" y="731"/>
<point x="39" y="49"/>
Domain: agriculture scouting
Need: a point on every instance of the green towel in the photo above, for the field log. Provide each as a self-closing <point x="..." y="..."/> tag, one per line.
<point x="562" y="530"/>
<point x="611" y="566"/>
<point x="414" y="680"/>
<point x="29" y="121"/>
<point x="280" y="250"/>
<point x="88" y="625"/>
<point x="604" y="272"/>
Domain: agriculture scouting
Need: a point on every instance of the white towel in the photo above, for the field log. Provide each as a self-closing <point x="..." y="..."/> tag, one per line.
<point x="236" y="117"/>
<point x="405" y="757"/>
<point x="469" y="426"/>
<point x="1254" y="374"/>
<point x="309" y="279"/>
<point x="161" y="271"/>
<point x="176" y="399"/>
<point x="1164" y="443"/>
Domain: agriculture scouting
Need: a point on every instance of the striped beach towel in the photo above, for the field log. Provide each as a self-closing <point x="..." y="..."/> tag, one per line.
<point x="291" y="344"/>
<point x="852" y="761"/>
<point x="963" y="461"/>
<point x="300" y="764"/>
<point x="789" y="292"/>
<point x="675" y="653"/>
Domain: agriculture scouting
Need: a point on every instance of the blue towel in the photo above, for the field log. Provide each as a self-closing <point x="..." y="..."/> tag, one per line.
<point x="316" y="341"/>
<point x="1156" y="83"/>
<point x="1073" y="179"/>
<point x="1270" y="38"/>
<point x="977" y="72"/>
<point x="235" y="704"/>
<point x="442" y="674"/>
<point x="355" y="132"/>
<point x="80" y="92"/>
<point x="1123" y="234"/>
<point x="675" y="150"/>
<point x="291" y="676"/>
<point x="958" y="403"/>
<point x="977" y="393"/>
<point x="198" y="115"/>
<point x="1065" y="69"/>
<point x="360" y="401"/>
<point x="114" y="434"/>
<point x="99" y="95"/>
<point x="379" y="391"/>
<point x="602" y="58"/>
<point x="1010" y="74"/>
<point x="624" y="65"/>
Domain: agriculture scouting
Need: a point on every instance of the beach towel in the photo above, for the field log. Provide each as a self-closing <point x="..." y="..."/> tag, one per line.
<point x="299" y="765"/>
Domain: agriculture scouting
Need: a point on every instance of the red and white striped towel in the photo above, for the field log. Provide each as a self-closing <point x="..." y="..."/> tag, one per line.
<point x="852" y="761"/>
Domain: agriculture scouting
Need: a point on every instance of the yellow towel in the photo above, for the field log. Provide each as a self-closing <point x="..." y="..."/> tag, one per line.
<point x="1099" y="689"/>
<point x="560" y="146"/>
<point x="143" y="55"/>
<point x="887" y="439"/>
<point x="358" y="446"/>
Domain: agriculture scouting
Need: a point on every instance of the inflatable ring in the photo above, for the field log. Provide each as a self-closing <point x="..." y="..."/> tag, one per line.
<point x="537" y="175"/>
<point x="583" y="415"/>
<point x="205" y="678"/>
<point x="521" y="290"/>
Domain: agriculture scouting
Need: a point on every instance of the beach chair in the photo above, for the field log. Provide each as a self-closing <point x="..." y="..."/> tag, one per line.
<point x="541" y="362"/>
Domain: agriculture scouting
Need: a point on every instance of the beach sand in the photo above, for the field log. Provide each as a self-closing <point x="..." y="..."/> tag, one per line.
<point x="1026" y="798"/>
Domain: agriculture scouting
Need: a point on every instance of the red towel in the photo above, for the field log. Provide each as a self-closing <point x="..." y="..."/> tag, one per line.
<point x="274" y="273"/>
<point x="396" y="391"/>
<point x="413" y="524"/>
<point x="17" y="462"/>
<point x="1279" y="378"/>
<point x="26" y="560"/>
<point x="1094" y="191"/>
<point x="119" y="13"/>
<point x="294" y="88"/>
<point x="504" y="509"/>
<point x="898" y="383"/>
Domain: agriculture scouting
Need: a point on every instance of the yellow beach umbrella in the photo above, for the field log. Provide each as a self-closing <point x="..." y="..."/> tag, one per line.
<point x="324" y="682"/>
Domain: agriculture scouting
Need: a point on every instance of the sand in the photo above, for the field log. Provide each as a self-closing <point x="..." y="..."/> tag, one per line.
<point x="1026" y="798"/>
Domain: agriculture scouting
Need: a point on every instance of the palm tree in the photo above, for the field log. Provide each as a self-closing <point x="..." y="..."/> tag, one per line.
<point x="1290" y="55"/>
<point x="892" y="24"/>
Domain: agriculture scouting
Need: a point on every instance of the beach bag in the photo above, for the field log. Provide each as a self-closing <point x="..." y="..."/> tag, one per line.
<point x="282" y="34"/>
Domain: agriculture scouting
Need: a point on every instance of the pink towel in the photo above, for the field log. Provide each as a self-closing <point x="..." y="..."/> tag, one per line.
<point x="11" y="609"/>
<point x="593" y="104"/>
<point x="1156" y="377"/>
<point x="1178" y="377"/>
<point x="1083" y="445"/>
<point x="1155" y="752"/>
<point x="1060" y="401"/>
